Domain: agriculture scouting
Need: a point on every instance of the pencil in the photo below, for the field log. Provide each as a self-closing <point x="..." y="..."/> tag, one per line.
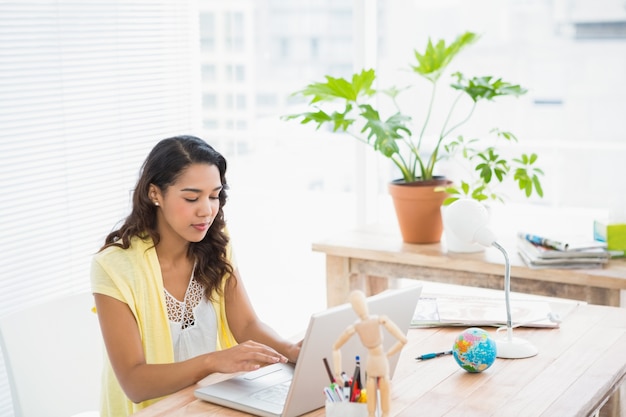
<point x="330" y="374"/>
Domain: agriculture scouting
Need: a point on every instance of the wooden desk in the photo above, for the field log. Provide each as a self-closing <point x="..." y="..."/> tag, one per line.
<point x="353" y="255"/>
<point x="578" y="366"/>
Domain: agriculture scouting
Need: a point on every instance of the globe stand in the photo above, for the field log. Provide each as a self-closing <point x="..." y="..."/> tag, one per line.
<point x="510" y="347"/>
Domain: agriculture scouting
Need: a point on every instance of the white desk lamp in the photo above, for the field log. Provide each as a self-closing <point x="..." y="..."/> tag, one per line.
<point x="468" y="219"/>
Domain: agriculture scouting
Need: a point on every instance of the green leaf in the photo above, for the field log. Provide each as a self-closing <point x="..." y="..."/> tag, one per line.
<point x="504" y="134"/>
<point x="449" y="201"/>
<point x="340" y="121"/>
<point x="385" y="132"/>
<point x="433" y="62"/>
<point x="537" y="184"/>
<point x="340" y="88"/>
<point x="451" y="190"/>
<point x="320" y="117"/>
<point x="485" y="88"/>
<point x="393" y="91"/>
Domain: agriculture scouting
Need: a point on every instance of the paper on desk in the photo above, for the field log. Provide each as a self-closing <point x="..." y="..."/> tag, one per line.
<point x="479" y="311"/>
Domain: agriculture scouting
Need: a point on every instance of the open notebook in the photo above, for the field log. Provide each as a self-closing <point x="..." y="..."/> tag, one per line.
<point x="286" y="390"/>
<point x="469" y="311"/>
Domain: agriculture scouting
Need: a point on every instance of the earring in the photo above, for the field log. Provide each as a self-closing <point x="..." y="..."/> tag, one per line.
<point x="156" y="203"/>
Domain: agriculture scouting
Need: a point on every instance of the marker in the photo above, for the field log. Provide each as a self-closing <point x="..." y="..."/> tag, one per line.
<point x="338" y="392"/>
<point x="347" y="384"/>
<point x="356" y="386"/>
<point x="542" y="241"/>
<point x="433" y="355"/>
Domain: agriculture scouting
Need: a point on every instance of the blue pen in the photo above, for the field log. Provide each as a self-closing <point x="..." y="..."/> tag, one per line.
<point x="330" y="395"/>
<point x="433" y="355"/>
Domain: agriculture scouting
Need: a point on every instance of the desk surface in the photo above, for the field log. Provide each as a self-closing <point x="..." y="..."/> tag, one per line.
<point x="381" y="252"/>
<point x="578" y="366"/>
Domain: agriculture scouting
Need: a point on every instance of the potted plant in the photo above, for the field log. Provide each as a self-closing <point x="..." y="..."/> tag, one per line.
<point x="348" y="106"/>
<point x="484" y="169"/>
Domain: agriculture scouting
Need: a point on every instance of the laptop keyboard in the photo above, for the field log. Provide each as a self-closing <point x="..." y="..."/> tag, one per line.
<point x="276" y="394"/>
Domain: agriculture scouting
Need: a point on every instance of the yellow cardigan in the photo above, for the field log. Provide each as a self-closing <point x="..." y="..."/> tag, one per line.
<point x="133" y="276"/>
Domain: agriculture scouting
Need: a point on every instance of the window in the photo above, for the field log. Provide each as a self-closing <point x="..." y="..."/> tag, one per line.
<point x="570" y="115"/>
<point x="315" y="48"/>
<point x="229" y="101"/>
<point x="240" y="73"/>
<point x="234" y="31"/>
<point x="209" y="101"/>
<point x="266" y="100"/>
<point x="209" y="73"/>
<point x="236" y="73"/>
<point x="87" y="89"/>
<point x="210" y="124"/>
<point x="283" y="48"/>
<point x="240" y="101"/>
<point x="207" y="31"/>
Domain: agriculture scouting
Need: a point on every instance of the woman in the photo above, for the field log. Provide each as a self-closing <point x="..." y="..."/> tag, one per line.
<point x="170" y="300"/>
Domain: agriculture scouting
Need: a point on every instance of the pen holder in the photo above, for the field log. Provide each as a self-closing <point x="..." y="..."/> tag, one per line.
<point x="345" y="409"/>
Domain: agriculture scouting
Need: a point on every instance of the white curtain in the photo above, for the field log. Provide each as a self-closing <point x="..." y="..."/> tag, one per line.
<point x="86" y="89"/>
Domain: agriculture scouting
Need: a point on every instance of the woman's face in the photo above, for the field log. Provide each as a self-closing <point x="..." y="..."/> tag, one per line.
<point x="188" y="206"/>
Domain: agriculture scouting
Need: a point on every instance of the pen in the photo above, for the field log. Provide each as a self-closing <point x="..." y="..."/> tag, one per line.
<point x="542" y="241"/>
<point x="330" y="395"/>
<point x="433" y="355"/>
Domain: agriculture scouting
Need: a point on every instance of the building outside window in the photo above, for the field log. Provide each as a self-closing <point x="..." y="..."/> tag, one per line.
<point x="536" y="43"/>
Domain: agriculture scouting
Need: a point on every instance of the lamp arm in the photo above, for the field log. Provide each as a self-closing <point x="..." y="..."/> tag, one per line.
<point x="507" y="288"/>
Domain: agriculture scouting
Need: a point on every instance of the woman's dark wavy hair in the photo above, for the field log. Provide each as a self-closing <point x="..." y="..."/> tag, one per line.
<point x="163" y="166"/>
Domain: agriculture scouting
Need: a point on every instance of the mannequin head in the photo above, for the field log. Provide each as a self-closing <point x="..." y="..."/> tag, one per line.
<point x="359" y="303"/>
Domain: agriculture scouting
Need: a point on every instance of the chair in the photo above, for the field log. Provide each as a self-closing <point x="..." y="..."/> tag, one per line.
<point x="53" y="355"/>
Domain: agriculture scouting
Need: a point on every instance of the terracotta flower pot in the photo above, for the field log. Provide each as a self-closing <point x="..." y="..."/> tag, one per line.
<point x="418" y="209"/>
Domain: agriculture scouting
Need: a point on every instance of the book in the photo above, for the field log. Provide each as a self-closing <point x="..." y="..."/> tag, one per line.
<point x="443" y="311"/>
<point x="566" y="263"/>
<point x="538" y="256"/>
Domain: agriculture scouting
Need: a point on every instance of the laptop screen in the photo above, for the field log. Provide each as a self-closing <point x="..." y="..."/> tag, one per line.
<point x="310" y="376"/>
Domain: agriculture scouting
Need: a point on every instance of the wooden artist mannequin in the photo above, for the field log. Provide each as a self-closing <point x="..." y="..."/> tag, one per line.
<point x="369" y="329"/>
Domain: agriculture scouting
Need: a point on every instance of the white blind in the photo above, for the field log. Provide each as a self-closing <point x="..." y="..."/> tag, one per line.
<point x="86" y="89"/>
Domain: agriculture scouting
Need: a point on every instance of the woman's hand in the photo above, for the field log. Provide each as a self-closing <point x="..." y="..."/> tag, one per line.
<point x="293" y="351"/>
<point x="246" y="356"/>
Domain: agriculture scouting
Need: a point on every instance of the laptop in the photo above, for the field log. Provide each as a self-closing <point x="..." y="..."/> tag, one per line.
<point x="287" y="390"/>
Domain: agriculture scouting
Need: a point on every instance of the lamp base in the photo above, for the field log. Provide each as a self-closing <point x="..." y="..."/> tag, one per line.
<point x="514" y="348"/>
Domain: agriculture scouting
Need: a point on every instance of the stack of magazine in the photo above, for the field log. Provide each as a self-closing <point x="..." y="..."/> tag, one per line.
<point x="547" y="253"/>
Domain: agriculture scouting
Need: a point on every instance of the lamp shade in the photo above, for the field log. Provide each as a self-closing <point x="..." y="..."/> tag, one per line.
<point x="468" y="219"/>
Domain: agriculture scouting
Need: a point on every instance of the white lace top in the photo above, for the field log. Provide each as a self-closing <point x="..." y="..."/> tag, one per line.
<point x="193" y="323"/>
